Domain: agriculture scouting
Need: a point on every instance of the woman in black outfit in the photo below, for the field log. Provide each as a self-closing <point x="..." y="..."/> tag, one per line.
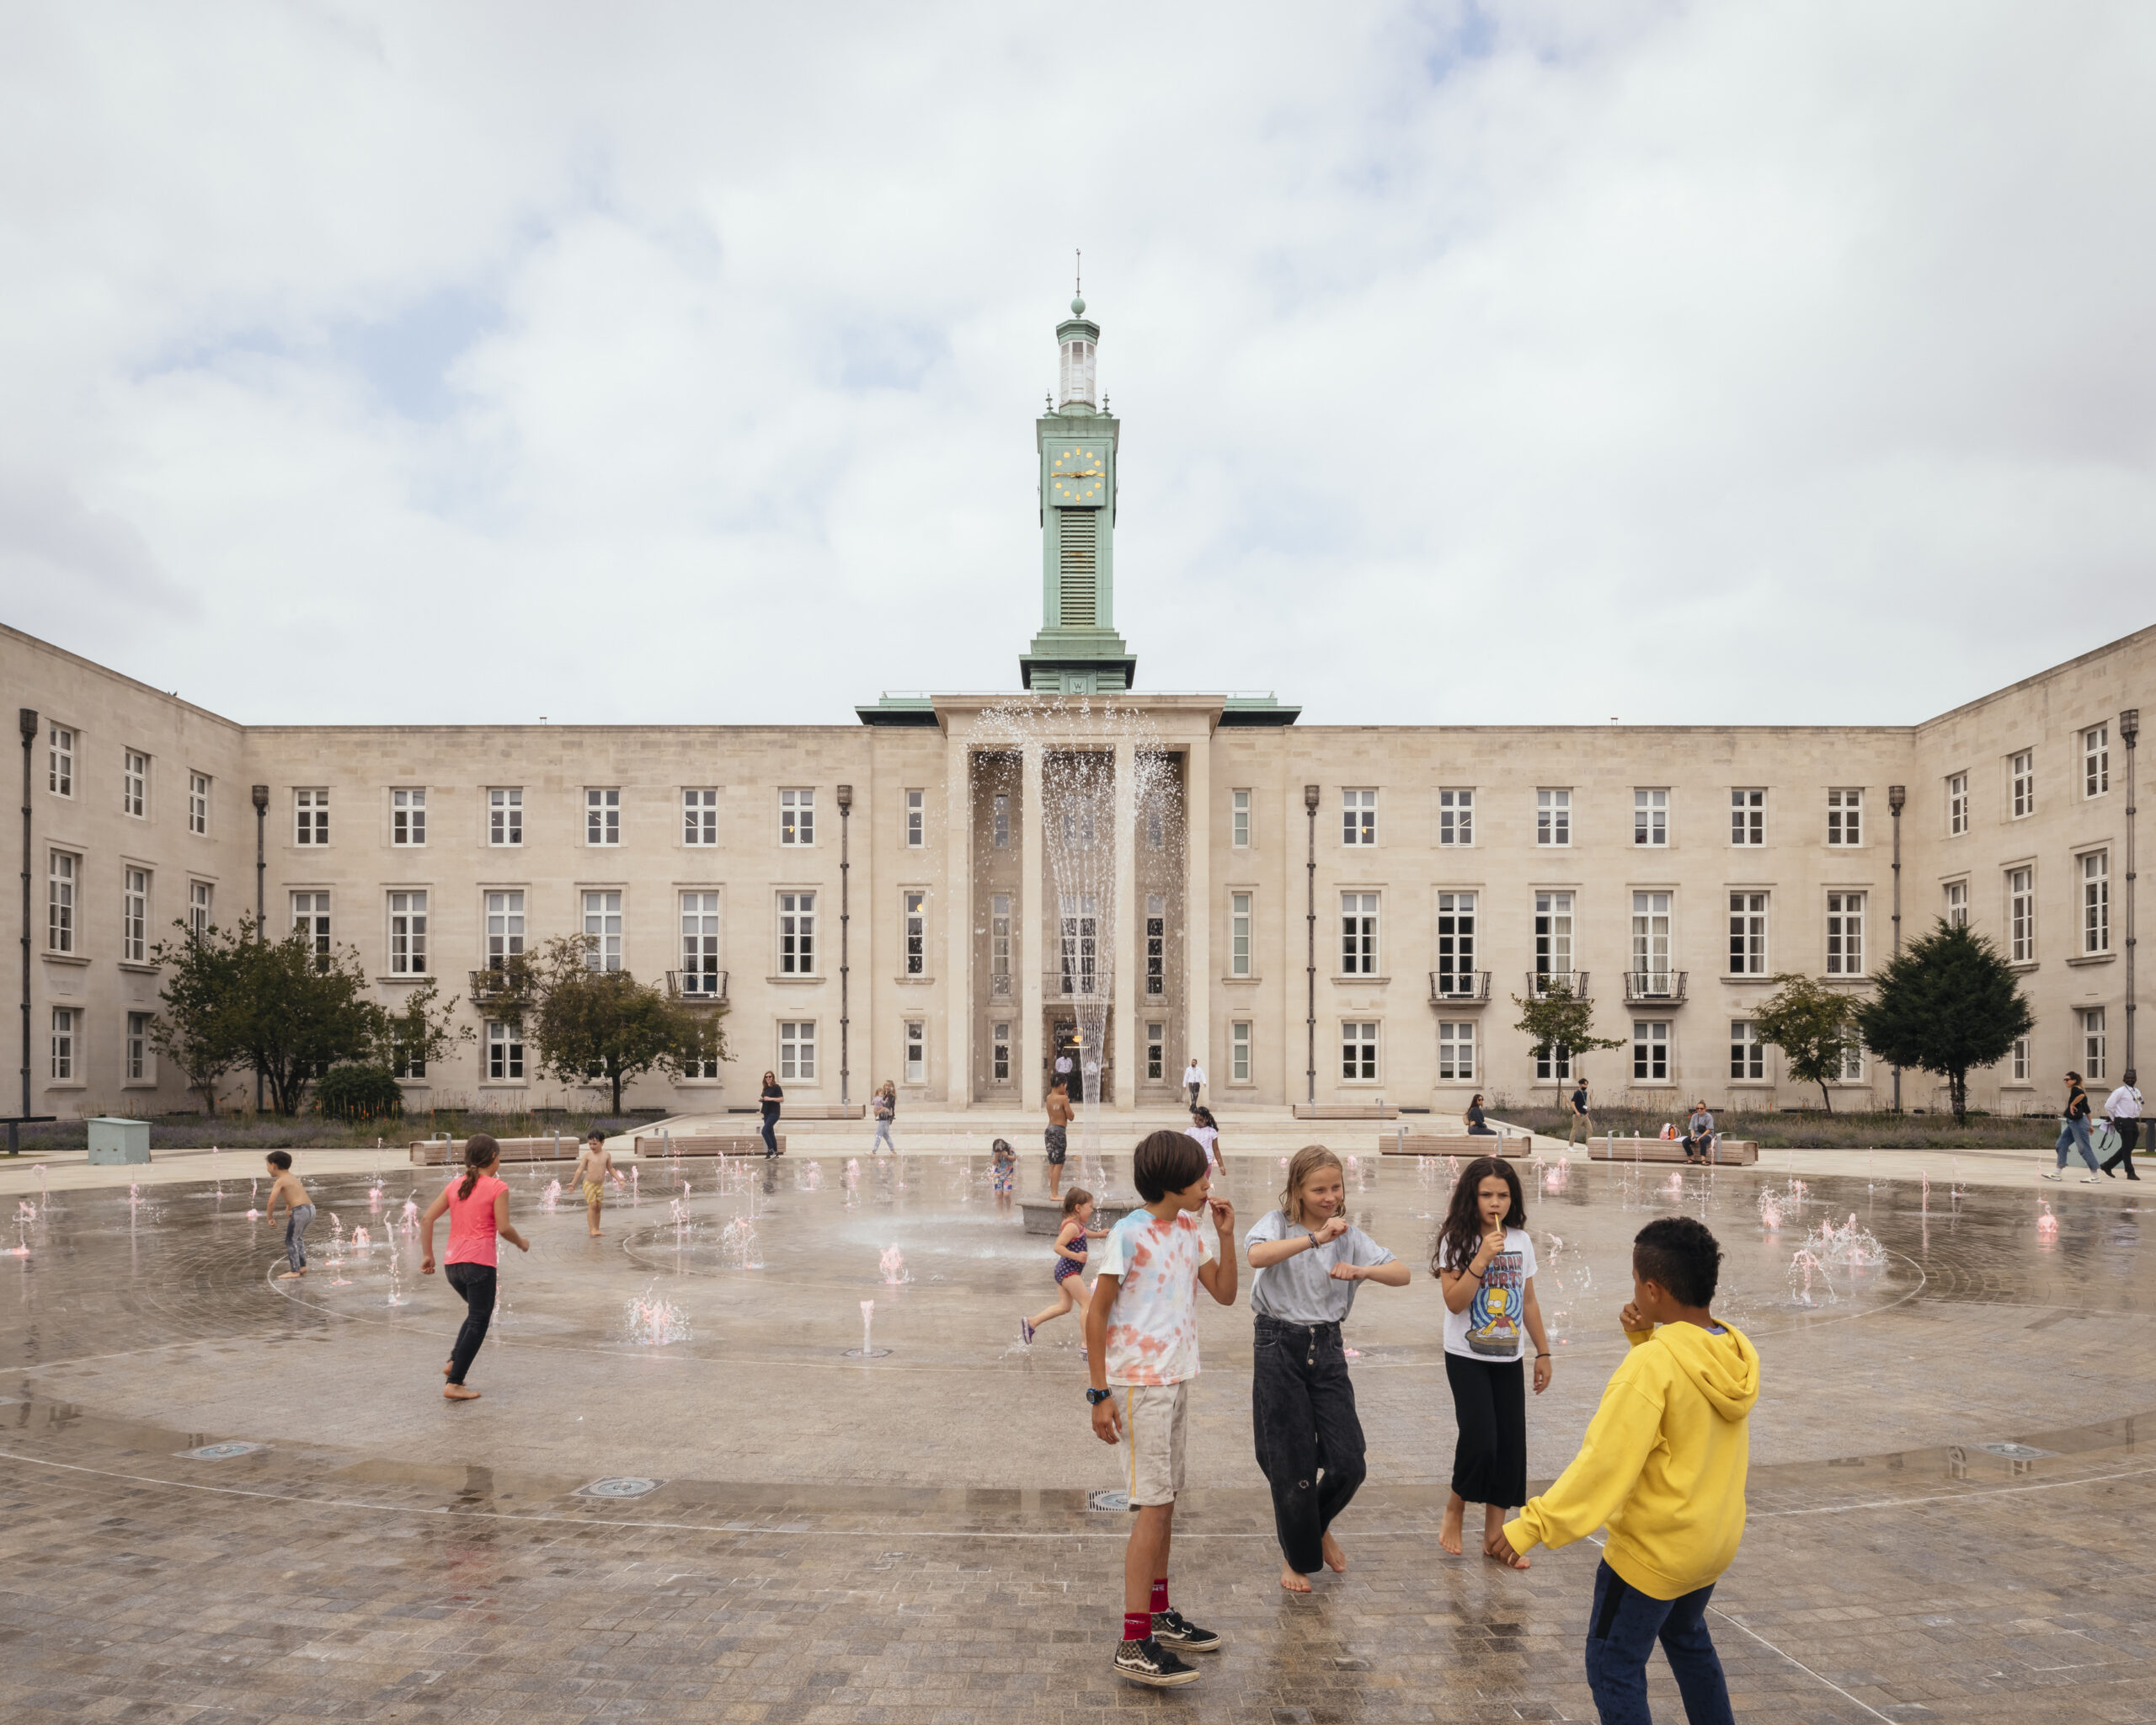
<point x="772" y="1097"/>
<point x="1477" y="1127"/>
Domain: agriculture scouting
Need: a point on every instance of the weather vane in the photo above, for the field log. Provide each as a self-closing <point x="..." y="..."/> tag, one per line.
<point x="1078" y="274"/>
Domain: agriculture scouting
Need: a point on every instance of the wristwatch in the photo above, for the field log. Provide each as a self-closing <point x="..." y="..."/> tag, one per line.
<point x="1094" y="1397"/>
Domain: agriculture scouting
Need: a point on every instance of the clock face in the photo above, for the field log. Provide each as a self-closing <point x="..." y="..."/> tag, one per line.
<point x="1077" y="474"/>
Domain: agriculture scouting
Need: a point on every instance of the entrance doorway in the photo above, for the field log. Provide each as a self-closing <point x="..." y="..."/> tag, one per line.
<point x="1061" y="1043"/>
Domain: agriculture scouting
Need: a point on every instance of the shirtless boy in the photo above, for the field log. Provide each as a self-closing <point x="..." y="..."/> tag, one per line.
<point x="285" y="1187"/>
<point x="594" y="1168"/>
<point x="1057" y="1137"/>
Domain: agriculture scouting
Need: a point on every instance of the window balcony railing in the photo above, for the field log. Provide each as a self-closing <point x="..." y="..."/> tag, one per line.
<point x="1074" y="984"/>
<point x="1654" y="987"/>
<point x="1460" y="988"/>
<point x="1573" y="982"/>
<point x="495" y="990"/>
<point x="697" y="988"/>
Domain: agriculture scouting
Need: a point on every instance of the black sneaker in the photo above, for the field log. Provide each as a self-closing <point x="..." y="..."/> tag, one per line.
<point x="1171" y="1629"/>
<point x="1149" y="1663"/>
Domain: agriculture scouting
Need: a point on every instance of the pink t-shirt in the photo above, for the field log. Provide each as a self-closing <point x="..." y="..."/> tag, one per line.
<point x="471" y="1220"/>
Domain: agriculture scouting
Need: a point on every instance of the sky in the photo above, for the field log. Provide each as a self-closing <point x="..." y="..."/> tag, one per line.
<point x="1541" y="363"/>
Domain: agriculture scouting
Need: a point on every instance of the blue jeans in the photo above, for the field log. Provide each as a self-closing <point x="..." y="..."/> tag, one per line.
<point x="1622" y="1630"/>
<point x="771" y="1137"/>
<point x="884" y="1137"/>
<point x="2074" y="1138"/>
<point x="297" y="1220"/>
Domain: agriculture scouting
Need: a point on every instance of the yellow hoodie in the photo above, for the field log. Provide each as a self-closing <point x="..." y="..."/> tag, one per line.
<point x="1663" y="1464"/>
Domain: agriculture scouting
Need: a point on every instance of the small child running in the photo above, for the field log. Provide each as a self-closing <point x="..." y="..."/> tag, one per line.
<point x="299" y="1212"/>
<point x="1069" y="1257"/>
<point x="593" y="1168"/>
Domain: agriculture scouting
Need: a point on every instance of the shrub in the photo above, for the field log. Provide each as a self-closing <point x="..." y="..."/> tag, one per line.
<point x="355" y="1092"/>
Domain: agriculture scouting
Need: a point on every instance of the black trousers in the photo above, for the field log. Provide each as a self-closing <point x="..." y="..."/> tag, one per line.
<point x="770" y="1134"/>
<point x="2129" y="1133"/>
<point x="1309" y="1442"/>
<point x="1489" y="1403"/>
<point x="475" y="1282"/>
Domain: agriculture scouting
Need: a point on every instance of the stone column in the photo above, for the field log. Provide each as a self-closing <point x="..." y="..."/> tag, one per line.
<point x="1198" y="919"/>
<point x="1032" y="902"/>
<point x="1129" y="928"/>
<point x="957" y="985"/>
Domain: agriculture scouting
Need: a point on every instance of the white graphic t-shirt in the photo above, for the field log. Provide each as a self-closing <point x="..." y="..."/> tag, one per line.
<point x="1153" y="1325"/>
<point x="1493" y="1325"/>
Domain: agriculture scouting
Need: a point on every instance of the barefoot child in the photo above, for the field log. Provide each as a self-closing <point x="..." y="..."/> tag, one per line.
<point x="1485" y="1263"/>
<point x="1207" y="1131"/>
<point x="299" y="1212"/>
<point x="1141" y="1346"/>
<point x="1056" y="1139"/>
<point x="478" y="1218"/>
<point x="1308" y="1261"/>
<point x="1069" y="1257"/>
<point x="1002" y="1166"/>
<point x="593" y="1170"/>
<point x="1662" y="1466"/>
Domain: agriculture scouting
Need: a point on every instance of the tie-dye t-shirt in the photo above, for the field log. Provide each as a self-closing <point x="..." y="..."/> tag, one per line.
<point x="1153" y="1325"/>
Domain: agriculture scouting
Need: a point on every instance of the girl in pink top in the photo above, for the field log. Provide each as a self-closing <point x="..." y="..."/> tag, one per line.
<point x="478" y="1213"/>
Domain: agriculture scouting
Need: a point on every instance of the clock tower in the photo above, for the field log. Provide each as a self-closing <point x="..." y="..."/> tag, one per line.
<point x="1077" y="650"/>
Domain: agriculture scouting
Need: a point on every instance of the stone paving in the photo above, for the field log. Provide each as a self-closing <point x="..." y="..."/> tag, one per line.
<point x="911" y="1538"/>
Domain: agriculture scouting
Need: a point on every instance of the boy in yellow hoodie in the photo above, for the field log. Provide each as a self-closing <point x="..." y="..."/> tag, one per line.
<point x="1662" y="1466"/>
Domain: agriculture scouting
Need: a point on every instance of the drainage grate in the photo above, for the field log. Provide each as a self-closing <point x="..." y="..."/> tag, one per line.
<point x="1107" y="1500"/>
<point x="626" y="1486"/>
<point x="219" y="1452"/>
<point x="2014" y="1452"/>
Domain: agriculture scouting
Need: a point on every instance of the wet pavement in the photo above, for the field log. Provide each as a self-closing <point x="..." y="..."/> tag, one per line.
<point x="227" y="1497"/>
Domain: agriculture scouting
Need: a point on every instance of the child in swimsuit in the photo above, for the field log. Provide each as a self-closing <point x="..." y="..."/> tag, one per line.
<point x="1002" y="1166"/>
<point x="1069" y="1257"/>
<point x="592" y="1169"/>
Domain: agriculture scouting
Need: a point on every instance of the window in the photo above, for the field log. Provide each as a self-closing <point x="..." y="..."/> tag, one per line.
<point x="199" y="894"/>
<point x="1239" y="934"/>
<point x="602" y="816"/>
<point x="916" y="1051"/>
<point x="700" y="817"/>
<point x="198" y="803"/>
<point x="1455" y="1053"/>
<point x="134" y="782"/>
<point x="999" y="943"/>
<point x="408" y="934"/>
<point x="504" y="1052"/>
<point x="1957" y="903"/>
<point x="1553" y="817"/>
<point x="1456" y="976"/>
<point x="797" y="934"/>
<point x="1079" y="947"/>
<point x="134" y="916"/>
<point x="998" y="1051"/>
<point x="1358" y="1050"/>
<point x="1239" y="819"/>
<point x="1455" y="817"/>
<point x="700" y="946"/>
<point x="65" y="1020"/>
<point x="797" y="1048"/>
<point x="139" y="1065"/>
<point x="1553" y="936"/>
<point x="1359" y="817"/>
<point x="1557" y="1064"/>
<point x="1747" y="934"/>
<point x="60" y="761"/>
<point x="505" y="817"/>
<point x="1845" y="934"/>
<point x="1239" y="1052"/>
<point x="914" y="909"/>
<point x="2096" y="761"/>
<point x="999" y="805"/>
<point x="1845" y="818"/>
<point x="2020" y="1060"/>
<point x="1358" y="934"/>
<point x="796" y="817"/>
<point x="60" y="903"/>
<point x="311" y="920"/>
<point x="1651" y="1050"/>
<point x="1747" y="817"/>
<point x="916" y="820"/>
<point x="1156" y="826"/>
<point x="602" y="929"/>
<point x="1957" y="805"/>
<point x="504" y="929"/>
<point x="2092" y="1043"/>
<point x="2021" y="916"/>
<point x="2096" y="902"/>
<point x="2021" y="782"/>
<point x="1650" y="941"/>
<point x="1852" y="1064"/>
<point x="1748" y="1055"/>
<point x="310" y="817"/>
<point x="407" y="818"/>
<point x="1650" y="817"/>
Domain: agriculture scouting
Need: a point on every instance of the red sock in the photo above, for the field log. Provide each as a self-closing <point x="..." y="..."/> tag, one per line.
<point x="1160" y="1593"/>
<point x="1136" y="1626"/>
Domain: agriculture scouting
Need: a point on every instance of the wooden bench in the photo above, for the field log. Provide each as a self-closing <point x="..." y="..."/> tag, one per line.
<point x="815" y="1110"/>
<point x="1344" y="1111"/>
<point x="1727" y="1152"/>
<point x="1512" y="1144"/>
<point x="561" y="1149"/>
<point x="650" y="1143"/>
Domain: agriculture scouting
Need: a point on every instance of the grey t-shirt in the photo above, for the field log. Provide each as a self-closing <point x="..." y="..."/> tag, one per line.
<point x="1302" y="1290"/>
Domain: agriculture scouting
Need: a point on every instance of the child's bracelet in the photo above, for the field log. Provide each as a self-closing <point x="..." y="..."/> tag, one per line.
<point x="1541" y="1356"/>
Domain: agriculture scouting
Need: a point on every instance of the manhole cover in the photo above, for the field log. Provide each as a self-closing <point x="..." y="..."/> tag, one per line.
<point x="624" y="1487"/>
<point x="1107" y="1500"/>
<point x="219" y="1452"/>
<point x="2014" y="1452"/>
<point x="868" y="1354"/>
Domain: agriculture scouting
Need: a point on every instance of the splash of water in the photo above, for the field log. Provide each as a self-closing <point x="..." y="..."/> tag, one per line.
<point x="1809" y="1283"/>
<point x="739" y="1243"/>
<point x="374" y="1197"/>
<point x="551" y="1201"/>
<point x="892" y="1264"/>
<point x="1770" y="1211"/>
<point x="2047" y="1225"/>
<point x="1849" y="1247"/>
<point x="653" y="1321"/>
<point x="362" y="1242"/>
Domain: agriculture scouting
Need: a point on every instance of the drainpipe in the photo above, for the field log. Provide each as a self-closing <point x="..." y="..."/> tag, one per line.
<point x="27" y="718"/>
<point x="1896" y="795"/>
<point x="845" y="832"/>
<point x="261" y="814"/>
<point x="1310" y="807"/>
<point x="2129" y="734"/>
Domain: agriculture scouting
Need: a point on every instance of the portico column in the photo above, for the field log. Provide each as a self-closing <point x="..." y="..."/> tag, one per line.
<point x="1198" y="918"/>
<point x="1129" y="930"/>
<point x="1032" y="905"/>
<point x="957" y="987"/>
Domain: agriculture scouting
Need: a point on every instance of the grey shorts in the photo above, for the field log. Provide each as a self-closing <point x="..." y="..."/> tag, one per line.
<point x="1153" y="1419"/>
<point x="1057" y="1142"/>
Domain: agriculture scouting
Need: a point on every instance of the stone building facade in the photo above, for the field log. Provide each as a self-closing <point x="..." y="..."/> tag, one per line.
<point x="1340" y="912"/>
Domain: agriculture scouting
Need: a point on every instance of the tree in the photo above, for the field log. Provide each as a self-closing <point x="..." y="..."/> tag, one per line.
<point x="1554" y="1020"/>
<point x="197" y="1030"/>
<point x="1949" y="1002"/>
<point x="296" y="1012"/>
<point x="1813" y="1025"/>
<point x="589" y="1026"/>
<point x="419" y="1031"/>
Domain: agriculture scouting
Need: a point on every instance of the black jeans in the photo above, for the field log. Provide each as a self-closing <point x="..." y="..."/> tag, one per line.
<point x="475" y="1283"/>
<point x="770" y="1134"/>
<point x="2129" y="1133"/>
<point x="1489" y="1404"/>
<point x="1309" y="1442"/>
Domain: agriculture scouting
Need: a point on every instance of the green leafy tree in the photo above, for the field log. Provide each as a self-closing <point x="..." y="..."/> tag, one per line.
<point x="1813" y="1025"/>
<point x="423" y="1028"/>
<point x="359" y="1093"/>
<point x="603" y="1027"/>
<point x="1556" y="1020"/>
<point x="298" y="1011"/>
<point x="1948" y="1003"/>
<point x="198" y="1029"/>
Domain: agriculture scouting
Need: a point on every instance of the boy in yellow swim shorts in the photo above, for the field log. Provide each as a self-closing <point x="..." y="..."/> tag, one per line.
<point x="594" y="1168"/>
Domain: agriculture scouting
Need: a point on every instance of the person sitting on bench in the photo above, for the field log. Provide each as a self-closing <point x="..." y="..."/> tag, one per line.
<point x="1699" y="1135"/>
<point x="1477" y="1127"/>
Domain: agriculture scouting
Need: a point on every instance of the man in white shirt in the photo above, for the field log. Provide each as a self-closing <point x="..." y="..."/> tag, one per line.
<point x="2122" y="1108"/>
<point x="1193" y="1078"/>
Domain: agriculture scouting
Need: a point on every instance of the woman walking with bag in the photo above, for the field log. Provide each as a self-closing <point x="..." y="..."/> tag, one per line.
<point x="478" y="1214"/>
<point x="886" y="1110"/>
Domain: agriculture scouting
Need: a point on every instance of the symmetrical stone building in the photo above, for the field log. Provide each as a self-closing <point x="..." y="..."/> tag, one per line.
<point x="1345" y="912"/>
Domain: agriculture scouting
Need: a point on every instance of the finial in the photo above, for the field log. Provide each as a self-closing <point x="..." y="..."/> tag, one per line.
<point x="1078" y="285"/>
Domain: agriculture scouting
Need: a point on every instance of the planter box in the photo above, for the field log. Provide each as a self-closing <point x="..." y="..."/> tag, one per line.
<point x="1727" y="1152"/>
<point x="1512" y="1144"/>
<point x="114" y="1141"/>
